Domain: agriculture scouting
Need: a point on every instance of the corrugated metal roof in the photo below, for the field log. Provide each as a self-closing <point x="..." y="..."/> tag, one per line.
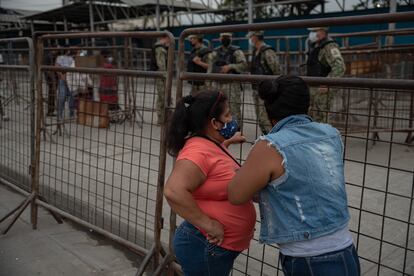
<point x="78" y="12"/>
<point x="25" y="12"/>
<point x="174" y="3"/>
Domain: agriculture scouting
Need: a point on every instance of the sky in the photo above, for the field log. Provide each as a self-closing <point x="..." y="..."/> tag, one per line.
<point x="43" y="5"/>
<point x="40" y="5"/>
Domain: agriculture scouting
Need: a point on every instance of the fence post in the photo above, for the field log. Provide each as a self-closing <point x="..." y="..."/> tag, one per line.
<point x="39" y="115"/>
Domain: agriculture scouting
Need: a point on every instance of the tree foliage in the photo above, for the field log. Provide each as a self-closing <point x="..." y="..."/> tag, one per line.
<point x="239" y="10"/>
<point x="364" y="4"/>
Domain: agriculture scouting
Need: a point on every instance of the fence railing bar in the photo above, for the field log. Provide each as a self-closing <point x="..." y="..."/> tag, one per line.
<point x="17" y="67"/>
<point x="117" y="72"/>
<point x="304" y="23"/>
<point x="403" y="84"/>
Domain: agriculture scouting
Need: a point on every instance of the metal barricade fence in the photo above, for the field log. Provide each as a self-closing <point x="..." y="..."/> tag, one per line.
<point x="379" y="178"/>
<point x="383" y="61"/>
<point x="104" y="166"/>
<point x="384" y="106"/>
<point x="369" y="59"/>
<point x="378" y="169"/>
<point x="16" y="111"/>
<point x="366" y="54"/>
<point x="100" y="150"/>
<point x="377" y="59"/>
<point x="125" y="57"/>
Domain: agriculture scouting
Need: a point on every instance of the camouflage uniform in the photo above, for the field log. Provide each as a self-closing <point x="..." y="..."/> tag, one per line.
<point x="269" y="61"/>
<point x="196" y="86"/>
<point x="333" y="66"/>
<point x="161" y="60"/>
<point x="231" y="90"/>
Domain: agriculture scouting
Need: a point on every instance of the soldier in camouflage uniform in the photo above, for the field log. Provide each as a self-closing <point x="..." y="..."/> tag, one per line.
<point x="229" y="59"/>
<point x="159" y="63"/>
<point x="198" y="61"/>
<point x="264" y="62"/>
<point x="324" y="60"/>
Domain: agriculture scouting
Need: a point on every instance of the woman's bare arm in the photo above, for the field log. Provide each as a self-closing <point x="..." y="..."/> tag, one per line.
<point x="184" y="179"/>
<point x="262" y="165"/>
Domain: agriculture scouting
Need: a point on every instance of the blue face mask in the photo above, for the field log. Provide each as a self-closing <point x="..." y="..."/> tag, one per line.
<point x="229" y="129"/>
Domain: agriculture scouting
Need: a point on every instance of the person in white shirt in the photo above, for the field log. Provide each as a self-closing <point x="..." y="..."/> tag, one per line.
<point x="80" y="85"/>
<point x="64" y="60"/>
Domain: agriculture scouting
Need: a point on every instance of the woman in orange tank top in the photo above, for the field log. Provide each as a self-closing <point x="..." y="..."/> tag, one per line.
<point x="214" y="231"/>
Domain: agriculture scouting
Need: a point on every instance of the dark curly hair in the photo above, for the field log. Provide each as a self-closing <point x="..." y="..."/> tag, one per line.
<point x="285" y="96"/>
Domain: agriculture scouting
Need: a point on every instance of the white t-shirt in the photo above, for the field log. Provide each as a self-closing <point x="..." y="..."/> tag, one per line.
<point x="333" y="242"/>
<point x="64" y="61"/>
<point x="77" y="81"/>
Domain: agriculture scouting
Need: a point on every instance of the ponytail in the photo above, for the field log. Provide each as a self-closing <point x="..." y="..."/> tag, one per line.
<point x="179" y="126"/>
<point x="191" y="116"/>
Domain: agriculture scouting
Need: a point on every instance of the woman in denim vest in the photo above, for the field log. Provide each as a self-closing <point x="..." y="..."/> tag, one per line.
<point x="297" y="171"/>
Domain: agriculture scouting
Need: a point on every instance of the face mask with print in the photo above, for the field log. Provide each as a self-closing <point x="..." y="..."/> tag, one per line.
<point x="312" y="37"/>
<point x="251" y="42"/>
<point x="229" y="129"/>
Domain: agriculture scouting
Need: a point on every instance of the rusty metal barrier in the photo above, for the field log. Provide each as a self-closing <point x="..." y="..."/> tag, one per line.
<point x="370" y="59"/>
<point x="379" y="178"/>
<point x="103" y="161"/>
<point x="16" y="110"/>
<point x="105" y="169"/>
<point x="17" y="128"/>
<point x="131" y="57"/>
<point x="373" y="57"/>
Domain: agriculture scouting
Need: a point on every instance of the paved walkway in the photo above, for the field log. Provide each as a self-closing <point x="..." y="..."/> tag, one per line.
<point x="57" y="249"/>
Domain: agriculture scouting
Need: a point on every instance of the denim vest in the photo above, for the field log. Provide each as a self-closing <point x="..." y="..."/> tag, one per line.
<point x="309" y="199"/>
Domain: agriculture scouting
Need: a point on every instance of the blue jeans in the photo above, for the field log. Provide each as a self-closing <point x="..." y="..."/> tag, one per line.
<point x="198" y="257"/>
<point x="63" y="94"/>
<point x="343" y="262"/>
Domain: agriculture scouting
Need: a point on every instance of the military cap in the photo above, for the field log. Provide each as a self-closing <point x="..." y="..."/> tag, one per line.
<point x="252" y="33"/>
<point x="318" y="28"/>
<point x="226" y="34"/>
<point x="199" y="36"/>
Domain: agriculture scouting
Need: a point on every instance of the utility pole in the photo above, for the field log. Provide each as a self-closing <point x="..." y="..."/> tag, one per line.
<point x="250" y="11"/>
<point x="91" y="21"/>
<point x="391" y="26"/>
<point x="157" y="15"/>
<point x="250" y="17"/>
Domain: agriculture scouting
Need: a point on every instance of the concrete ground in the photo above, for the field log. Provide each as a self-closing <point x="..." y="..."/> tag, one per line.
<point x="57" y="249"/>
